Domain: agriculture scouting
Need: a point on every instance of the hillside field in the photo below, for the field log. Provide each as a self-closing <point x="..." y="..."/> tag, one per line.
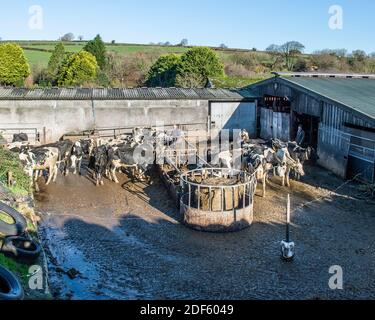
<point x="38" y="54"/>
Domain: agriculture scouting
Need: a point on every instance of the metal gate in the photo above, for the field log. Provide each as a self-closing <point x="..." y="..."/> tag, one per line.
<point x="234" y="115"/>
<point x="32" y="133"/>
<point x="361" y="159"/>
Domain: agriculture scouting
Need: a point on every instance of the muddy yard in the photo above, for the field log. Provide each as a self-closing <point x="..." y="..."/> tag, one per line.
<point x="127" y="241"/>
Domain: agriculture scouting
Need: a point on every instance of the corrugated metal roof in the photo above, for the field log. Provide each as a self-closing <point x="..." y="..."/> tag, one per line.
<point x="357" y="94"/>
<point x="124" y="94"/>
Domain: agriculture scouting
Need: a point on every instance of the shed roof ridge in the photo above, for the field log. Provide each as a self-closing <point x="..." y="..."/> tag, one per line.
<point x="148" y="93"/>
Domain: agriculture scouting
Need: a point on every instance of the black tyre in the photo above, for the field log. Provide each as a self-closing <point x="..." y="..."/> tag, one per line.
<point x="21" y="249"/>
<point x="19" y="224"/>
<point x="10" y="286"/>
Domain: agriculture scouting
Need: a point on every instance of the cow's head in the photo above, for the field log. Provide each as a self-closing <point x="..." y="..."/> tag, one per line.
<point x="287" y="250"/>
<point x="298" y="168"/>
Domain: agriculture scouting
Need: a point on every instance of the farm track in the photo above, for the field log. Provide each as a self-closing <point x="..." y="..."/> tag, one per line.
<point x="127" y="242"/>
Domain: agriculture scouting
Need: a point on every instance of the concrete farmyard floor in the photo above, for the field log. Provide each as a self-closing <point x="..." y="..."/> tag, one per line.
<point x="127" y="242"/>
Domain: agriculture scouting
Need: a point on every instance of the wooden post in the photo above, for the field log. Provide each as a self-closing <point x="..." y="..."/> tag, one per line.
<point x="44" y="135"/>
<point x="244" y="197"/>
<point x="10" y="178"/>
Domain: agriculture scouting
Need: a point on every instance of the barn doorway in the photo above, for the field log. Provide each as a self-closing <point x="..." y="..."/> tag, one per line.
<point x="310" y="125"/>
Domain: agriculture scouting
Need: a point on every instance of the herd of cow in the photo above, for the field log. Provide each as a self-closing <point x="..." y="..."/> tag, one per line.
<point x="273" y="157"/>
<point x="277" y="158"/>
<point x="105" y="156"/>
<point x="139" y="150"/>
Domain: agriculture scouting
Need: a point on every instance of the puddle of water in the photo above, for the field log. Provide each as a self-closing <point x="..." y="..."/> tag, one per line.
<point x="63" y="256"/>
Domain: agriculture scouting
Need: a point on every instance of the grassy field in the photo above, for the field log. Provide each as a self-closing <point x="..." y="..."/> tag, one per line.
<point x="37" y="57"/>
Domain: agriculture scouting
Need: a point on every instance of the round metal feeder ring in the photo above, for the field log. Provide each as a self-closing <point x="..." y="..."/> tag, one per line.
<point x="218" y="200"/>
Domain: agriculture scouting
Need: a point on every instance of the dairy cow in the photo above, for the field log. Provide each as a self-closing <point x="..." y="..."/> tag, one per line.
<point x="76" y="157"/>
<point x="39" y="160"/>
<point x="137" y="159"/>
<point x="99" y="164"/>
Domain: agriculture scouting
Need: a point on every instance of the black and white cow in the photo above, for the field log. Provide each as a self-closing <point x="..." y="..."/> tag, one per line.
<point x="18" y="147"/>
<point x="284" y="164"/>
<point x="39" y="160"/>
<point x="87" y="146"/>
<point x="76" y="157"/>
<point x="138" y="159"/>
<point x="259" y="160"/>
<point x="299" y="153"/>
<point x="99" y="164"/>
<point x="65" y="150"/>
<point x="20" y="137"/>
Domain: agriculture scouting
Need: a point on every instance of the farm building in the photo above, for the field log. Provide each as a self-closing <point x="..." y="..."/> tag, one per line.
<point x="52" y="113"/>
<point x="337" y="113"/>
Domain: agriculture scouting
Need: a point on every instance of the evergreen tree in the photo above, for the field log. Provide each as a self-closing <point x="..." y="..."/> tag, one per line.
<point x="163" y="71"/>
<point x="56" y="61"/>
<point x="97" y="48"/>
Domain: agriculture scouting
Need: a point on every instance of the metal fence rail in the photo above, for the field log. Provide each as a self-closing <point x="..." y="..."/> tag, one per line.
<point x="115" y="132"/>
<point x="32" y="133"/>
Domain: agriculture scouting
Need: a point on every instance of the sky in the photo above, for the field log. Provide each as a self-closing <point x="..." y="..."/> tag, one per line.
<point x="236" y="23"/>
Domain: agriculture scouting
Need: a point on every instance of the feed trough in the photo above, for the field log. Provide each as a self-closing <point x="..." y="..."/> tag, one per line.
<point x="217" y="200"/>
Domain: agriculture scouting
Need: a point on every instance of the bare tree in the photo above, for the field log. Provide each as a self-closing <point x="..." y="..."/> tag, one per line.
<point x="184" y="42"/>
<point x="80" y="38"/>
<point x="288" y="51"/>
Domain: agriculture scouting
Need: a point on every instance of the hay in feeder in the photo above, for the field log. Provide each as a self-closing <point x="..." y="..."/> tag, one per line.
<point x="220" y="199"/>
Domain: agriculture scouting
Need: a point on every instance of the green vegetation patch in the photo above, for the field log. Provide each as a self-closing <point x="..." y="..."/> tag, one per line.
<point x="10" y="162"/>
<point x="20" y="269"/>
<point x="37" y="58"/>
<point x="237" y="82"/>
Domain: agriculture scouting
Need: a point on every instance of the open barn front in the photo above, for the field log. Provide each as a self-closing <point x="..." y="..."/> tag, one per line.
<point x="310" y="125"/>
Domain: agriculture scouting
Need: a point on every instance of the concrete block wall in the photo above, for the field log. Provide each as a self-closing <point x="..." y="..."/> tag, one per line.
<point x="54" y="118"/>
